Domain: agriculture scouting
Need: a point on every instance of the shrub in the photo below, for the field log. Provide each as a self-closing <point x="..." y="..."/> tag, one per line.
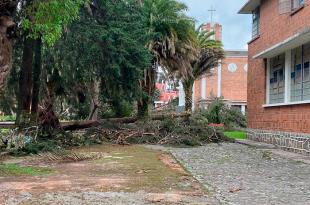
<point x="218" y="112"/>
<point x="232" y="117"/>
<point x="6" y="118"/>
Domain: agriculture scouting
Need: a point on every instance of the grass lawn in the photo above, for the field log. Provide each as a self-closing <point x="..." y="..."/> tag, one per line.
<point x="17" y="170"/>
<point x="235" y="134"/>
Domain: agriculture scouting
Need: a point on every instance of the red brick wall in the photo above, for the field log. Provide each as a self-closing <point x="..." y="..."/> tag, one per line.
<point x="217" y="29"/>
<point x="197" y="95"/>
<point x="274" y="28"/>
<point x="234" y="85"/>
<point x="211" y="88"/>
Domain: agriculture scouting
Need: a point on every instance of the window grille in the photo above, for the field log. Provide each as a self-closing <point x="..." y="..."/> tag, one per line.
<point x="256" y="22"/>
<point x="300" y="73"/>
<point x="277" y="78"/>
<point x="297" y="4"/>
<point x="286" y="6"/>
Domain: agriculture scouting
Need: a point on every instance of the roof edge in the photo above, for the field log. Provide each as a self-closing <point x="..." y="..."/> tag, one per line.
<point x="249" y="6"/>
<point x="294" y="41"/>
<point x="236" y="52"/>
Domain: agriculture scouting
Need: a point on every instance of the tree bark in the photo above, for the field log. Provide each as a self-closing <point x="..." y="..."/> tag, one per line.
<point x="148" y="87"/>
<point x="25" y="83"/>
<point x="143" y="107"/>
<point x="47" y="120"/>
<point x="5" y="49"/>
<point x="36" y="77"/>
<point x="188" y="90"/>
<point x="94" y="104"/>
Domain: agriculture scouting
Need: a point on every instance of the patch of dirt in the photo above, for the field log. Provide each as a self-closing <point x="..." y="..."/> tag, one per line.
<point x="62" y="183"/>
<point x="171" y="197"/>
<point x="129" y="169"/>
<point x="171" y="163"/>
<point x="165" y="198"/>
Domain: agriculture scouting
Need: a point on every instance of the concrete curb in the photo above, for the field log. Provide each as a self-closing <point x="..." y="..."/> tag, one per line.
<point x="274" y="150"/>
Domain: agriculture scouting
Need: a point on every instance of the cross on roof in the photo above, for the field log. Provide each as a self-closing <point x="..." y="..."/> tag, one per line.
<point x="211" y="10"/>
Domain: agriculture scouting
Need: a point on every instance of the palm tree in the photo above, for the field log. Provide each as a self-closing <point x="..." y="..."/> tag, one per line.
<point x="7" y="8"/>
<point x="167" y="24"/>
<point x="194" y="58"/>
<point x="210" y="52"/>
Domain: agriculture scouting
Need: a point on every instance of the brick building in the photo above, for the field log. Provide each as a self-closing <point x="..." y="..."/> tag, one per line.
<point x="166" y="88"/>
<point x="228" y="80"/>
<point x="279" y="73"/>
<point x="167" y="94"/>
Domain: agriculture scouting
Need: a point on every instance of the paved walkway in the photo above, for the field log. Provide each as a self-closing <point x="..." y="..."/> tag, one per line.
<point x="239" y="174"/>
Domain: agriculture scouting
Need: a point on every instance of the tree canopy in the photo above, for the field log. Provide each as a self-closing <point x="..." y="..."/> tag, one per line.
<point x="98" y="58"/>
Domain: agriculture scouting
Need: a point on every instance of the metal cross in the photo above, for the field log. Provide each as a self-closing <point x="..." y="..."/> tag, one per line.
<point x="211" y="13"/>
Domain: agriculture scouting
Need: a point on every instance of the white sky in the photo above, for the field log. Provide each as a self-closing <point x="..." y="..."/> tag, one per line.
<point x="236" y="27"/>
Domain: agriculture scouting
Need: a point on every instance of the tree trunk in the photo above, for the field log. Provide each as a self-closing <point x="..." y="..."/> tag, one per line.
<point x="94" y="104"/>
<point x="188" y="90"/>
<point x="143" y="107"/>
<point x="47" y="119"/>
<point x="5" y="50"/>
<point x="148" y="87"/>
<point x="36" y="78"/>
<point x="126" y="120"/>
<point x="25" y="84"/>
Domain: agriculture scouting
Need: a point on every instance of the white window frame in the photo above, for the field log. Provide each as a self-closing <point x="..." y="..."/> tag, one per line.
<point x="300" y="3"/>
<point x="287" y="84"/>
<point x="286" y="6"/>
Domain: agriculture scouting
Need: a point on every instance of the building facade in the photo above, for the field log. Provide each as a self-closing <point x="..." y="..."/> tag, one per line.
<point x="166" y="88"/>
<point x="167" y="93"/>
<point x="279" y="73"/>
<point x="228" y="80"/>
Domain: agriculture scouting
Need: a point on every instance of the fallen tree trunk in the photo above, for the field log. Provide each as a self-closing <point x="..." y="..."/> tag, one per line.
<point x="81" y="125"/>
<point x="78" y="125"/>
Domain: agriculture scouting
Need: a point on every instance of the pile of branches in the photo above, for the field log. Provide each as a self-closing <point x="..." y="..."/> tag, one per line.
<point x="62" y="156"/>
<point x="172" y="130"/>
<point x="192" y="131"/>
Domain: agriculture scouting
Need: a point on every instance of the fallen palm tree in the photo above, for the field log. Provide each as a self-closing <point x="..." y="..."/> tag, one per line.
<point x="66" y="156"/>
<point x="190" y="131"/>
<point x="126" y="120"/>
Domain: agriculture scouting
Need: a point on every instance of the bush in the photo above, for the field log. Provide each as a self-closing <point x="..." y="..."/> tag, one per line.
<point x="218" y="112"/>
<point x="232" y="118"/>
<point x="125" y="109"/>
<point x="37" y="147"/>
<point x="6" y="118"/>
<point x="118" y="108"/>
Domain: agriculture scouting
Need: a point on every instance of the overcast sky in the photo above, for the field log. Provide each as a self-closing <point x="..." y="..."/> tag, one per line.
<point x="236" y="27"/>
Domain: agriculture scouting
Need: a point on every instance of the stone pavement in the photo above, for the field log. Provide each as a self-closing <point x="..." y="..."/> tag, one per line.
<point x="240" y="174"/>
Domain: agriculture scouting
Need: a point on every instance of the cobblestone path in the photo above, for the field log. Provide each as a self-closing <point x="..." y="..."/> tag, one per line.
<point x="239" y="174"/>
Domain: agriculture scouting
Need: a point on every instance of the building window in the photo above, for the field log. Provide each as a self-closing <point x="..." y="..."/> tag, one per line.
<point x="232" y="67"/>
<point x="295" y="70"/>
<point x="296" y="4"/>
<point x="300" y="74"/>
<point x="286" y="6"/>
<point x="277" y="78"/>
<point x="256" y="22"/>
